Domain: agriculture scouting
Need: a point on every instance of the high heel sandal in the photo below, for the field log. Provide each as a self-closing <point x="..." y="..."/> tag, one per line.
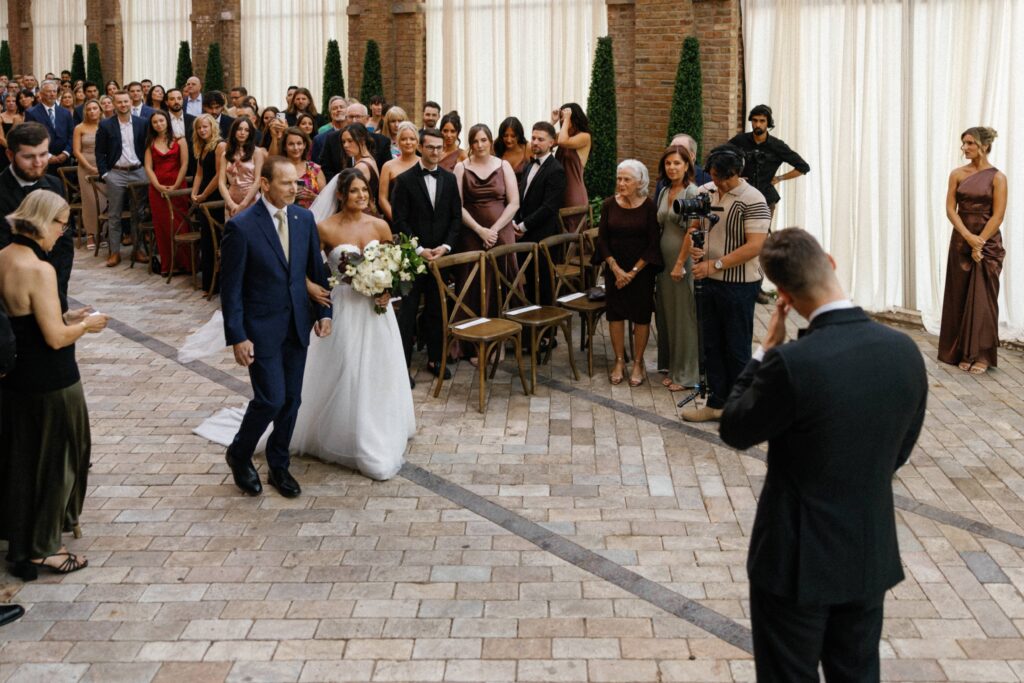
<point x="27" y="570"/>
<point x="617" y="379"/>
<point x="637" y="381"/>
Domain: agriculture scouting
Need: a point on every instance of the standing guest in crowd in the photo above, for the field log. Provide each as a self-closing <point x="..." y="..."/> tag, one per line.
<point x="540" y="197"/>
<point x="381" y="144"/>
<point x="337" y="109"/>
<point x="107" y="106"/>
<point x="193" y="96"/>
<point x="764" y="154"/>
<point x="79" y="97"/>
<point x="43" y="417"/>
<point x="90" y="91"/>
<point x="289" y="94"/>
<point x="302" y="103"/>
<point x="26" y="100"/>
<point x="408" y="143"/>
<point x="8" y="351"/>
<point x="9" y="118"/>
<point x="676" y="314"/>
<point x="59" y="123"/>
<point x="250" y="101"/>
<point x="239" y="167"/>
<point x="451" y="129"/>
<point x="431" y="114"/>
<point x="732" y="278"/>
<point x="573" y="151"/>
<point x="250" y="114"/>
<point x="181" y="123"/>
<point x="29" y="82"/>
<point x="208" y="149"/>
<point x="139" y="106"/>
<point x="85" y="153"/>
<point x="67" y="101"/>
<point x="147" y="85"/>
<point x="156" y="98"/>
<point x="684" y="140"/>
<point x="111" y="87"/>
<point x="389" y="127"/>
<point x="213" y="104"/>
<point x="333" y="157"/>
<point x="120" y="165"/>
<point x="511" y="144"/>
<point x="272" y="139"/>
<point x="426" y="205"/>
<point x="310" y="178"/>
<point x="490" y="198"/>
<point x="266" y="116"/>
<point x="377" y="105"/>
<point x="355" y="140"/>
<point x="28" y="148"/>
<point x="628" y="243"/>
<point x="237" y="96"/>
<point x="824" y="549"/>
<point x="166" y="162"/>
<point x="975" y="205"/>
<point x="306" y="123"/>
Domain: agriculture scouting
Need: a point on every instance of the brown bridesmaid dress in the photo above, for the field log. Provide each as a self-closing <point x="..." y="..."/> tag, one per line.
<point x="970" y="307"/>
<point x="575" y="189"/>
<point x="449" y="162"/>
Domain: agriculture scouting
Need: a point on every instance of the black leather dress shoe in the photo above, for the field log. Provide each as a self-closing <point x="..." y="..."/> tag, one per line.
<point x="245" y="476"/>
<point x="282" y="480"/>
<point x="435" y="370"/>
<point x="9" y="613"/>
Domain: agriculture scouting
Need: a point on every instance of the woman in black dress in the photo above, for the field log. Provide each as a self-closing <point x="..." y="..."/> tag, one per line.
<point x="43" y="416"/>
<point x="628" y="241"/>
<point x="207" y="146"/>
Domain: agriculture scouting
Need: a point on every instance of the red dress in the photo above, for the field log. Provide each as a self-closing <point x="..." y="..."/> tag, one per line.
<point x="166" y="166"/>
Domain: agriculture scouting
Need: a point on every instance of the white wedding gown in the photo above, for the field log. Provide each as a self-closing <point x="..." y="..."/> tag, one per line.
<point x="356" y="406"/>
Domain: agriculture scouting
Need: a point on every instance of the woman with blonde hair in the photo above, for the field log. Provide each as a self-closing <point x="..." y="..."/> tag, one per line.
<point x="389" y="128"/>
<point x="208" y="149"/>
<point x="83" y="142"/>
<point x="43" y="415"/>
<point x="408" y="142"/>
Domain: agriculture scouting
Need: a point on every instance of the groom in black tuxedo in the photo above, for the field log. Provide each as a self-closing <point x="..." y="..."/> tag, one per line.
<point x="426" y="205"/>
<point x="841" y="408"/>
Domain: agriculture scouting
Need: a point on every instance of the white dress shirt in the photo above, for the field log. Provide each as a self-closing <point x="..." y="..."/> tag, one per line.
<point x="194" y="106"/>
<point x="431" y="183"/>
<point x="534" y="169"/>
<point x="128" y="155"/>
<point x="177" y="125"/>
<point x="824" y="308"/>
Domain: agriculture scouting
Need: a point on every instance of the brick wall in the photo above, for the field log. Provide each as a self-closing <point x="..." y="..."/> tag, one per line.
<point x="217" y="21"/>
<point x="19" y="32"/>
<point x="400" y="31"/>
<point x="621" y="17"/>
<point x="103" y="27"/>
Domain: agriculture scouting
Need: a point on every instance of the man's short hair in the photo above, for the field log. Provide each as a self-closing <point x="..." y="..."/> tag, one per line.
<point x="431" y="103"/>
<point x="28" y="134"/>
<point x="726" y="161"/>
<point x="49" y="81"/>
<point x="762" y="110"/>
<point x="129" y="86"/>
<point x="90" y="84"/>
<point x="214" y="98"/>
<point x="270" y="163"/>
<point x="795" y="262"/>
<point x="547" y="128"/>
<point x="177" y="90"/>
<point x="240" y="89"/>
<point x="430" y="132"/>
<point x="145" y="80"/>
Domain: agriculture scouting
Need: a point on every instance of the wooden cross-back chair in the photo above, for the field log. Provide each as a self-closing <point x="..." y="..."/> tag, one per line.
<point x="568" y="213"/>
<point x="487" y="334"/>
<point x="141" y="217"/>
<point x="103" y="217"/>
<point x="188" y="235"/>
<point x="518" y="300"/>
<point x="210" y="211"/>
<point x="73" y="191"/>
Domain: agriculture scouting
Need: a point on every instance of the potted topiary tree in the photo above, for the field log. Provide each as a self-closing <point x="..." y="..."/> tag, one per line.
<point x="78" y="64"/>
<point x="372" y="83"/>
<point x="687" y="112"/>
<point x="184" y="64"/>
<point x="334" y="80"/>
<point x="94" y="69"/>
<point x="599" y="174"/>
<point x="5" y="59"/>
<point x="214" y="69"/>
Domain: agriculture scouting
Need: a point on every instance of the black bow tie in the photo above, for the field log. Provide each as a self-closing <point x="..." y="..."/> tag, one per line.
<point x="535" y="160"/>
<point x="432" y="174"/>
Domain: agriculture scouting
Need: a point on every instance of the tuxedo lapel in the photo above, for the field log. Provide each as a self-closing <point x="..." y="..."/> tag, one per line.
<point x="536" y="178"/>
<point x="268" y="227"/>
<point x="422" y="184"/>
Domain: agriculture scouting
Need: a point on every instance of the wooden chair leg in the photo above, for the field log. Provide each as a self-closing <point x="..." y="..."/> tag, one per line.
<point x="481" y="353"/>
<point x="590" y="346"/>
<point x="533" y="360"/>
<point x="519" y="362"/>
<point x="192" y="257"/>
<point x="213" y="282"/>
<point x="567" y="331"/>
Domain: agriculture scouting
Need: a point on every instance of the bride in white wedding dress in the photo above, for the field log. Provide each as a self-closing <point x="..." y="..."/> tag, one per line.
<point x="356" y="406"/>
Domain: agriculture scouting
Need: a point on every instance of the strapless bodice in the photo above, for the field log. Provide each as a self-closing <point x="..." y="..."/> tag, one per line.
<point x="335" y="256"/>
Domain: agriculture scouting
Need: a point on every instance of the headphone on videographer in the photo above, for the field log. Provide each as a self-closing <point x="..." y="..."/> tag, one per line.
<point x="721" y="156"/>
<point x="765" y="111"/>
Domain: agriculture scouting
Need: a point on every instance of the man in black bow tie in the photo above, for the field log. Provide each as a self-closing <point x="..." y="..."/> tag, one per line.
<point x="426" y="205"/>
<point x="841" y="409"/>
<point x="28" y="149"/>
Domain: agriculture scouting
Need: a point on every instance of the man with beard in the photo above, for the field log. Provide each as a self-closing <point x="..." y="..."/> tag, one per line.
<point x="28" y="149"/>
<point x="181" y="123"/>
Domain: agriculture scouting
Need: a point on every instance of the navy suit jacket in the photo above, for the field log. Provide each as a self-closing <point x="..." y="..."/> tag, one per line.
<point x="146" y="112"/>
<point x="108" y="142"/>
<point x="60" y="134"/>
<point x="263" y="294"/>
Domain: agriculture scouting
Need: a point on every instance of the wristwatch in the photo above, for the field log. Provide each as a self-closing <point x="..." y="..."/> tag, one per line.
<point x="635" y="270"/>
<point x="718" y="264"/>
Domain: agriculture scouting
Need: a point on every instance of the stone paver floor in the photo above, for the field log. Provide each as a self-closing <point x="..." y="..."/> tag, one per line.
<point x="580" y="534"/>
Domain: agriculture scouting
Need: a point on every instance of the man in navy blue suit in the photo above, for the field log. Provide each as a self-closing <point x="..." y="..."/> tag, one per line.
<point x="59" y="124"/>
<point x="138" y="97"/>
<point x="119" y="165"/>
<point x="268" y="252"/>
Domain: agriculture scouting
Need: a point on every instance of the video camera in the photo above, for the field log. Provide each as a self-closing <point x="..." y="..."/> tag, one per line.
<point x="693" y="207"/>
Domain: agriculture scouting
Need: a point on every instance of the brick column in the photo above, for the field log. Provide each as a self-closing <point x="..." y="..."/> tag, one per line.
<point x="217" y="21"/>
<point x="19" y="32"/>
<point x="370" y="20"/>
<point x="400" y="30"/>
<point x="103" y="27"/>
<point x="721" y="45"/>
<point x="621" y="27"/>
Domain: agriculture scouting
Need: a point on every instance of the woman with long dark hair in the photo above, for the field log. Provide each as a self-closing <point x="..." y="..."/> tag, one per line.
<point x="510" y="144"/>
<point x="166" y="162"/>
<point x="358" y="146"/>
<point x="310" y="177"/>
<point x="451" y="129"/>
<point x="573" y="151"/>
<point x="239" y="165"/>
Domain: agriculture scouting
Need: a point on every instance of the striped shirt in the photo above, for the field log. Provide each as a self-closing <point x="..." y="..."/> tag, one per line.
<point x="743" y="210"/>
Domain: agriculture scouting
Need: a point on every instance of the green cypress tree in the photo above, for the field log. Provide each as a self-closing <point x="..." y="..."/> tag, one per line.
<point x="94" y="70"/>
<point x="599" y="174"/>
<point x="5" y="59"/>
<point x="214" y="69"/>
<point x="373" y="83"/>
<point x="687" y="112"/>
<point x="334" y="81"/>
<point x="184" y="64"/>
<point x="77" y="64"/>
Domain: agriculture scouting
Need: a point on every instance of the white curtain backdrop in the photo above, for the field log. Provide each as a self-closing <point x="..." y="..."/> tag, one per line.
<point x="874" y="95"/>
<point x="57" y="25"/>
<point x="495" y="58"/>
<point x="284" y="43"/>
<point x="152" y="32"/>
<point x="3" y="21"/>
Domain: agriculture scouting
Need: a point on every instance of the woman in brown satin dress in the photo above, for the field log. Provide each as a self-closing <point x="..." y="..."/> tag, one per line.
<point x="975" y="205"/>
<point x="573" y="151"/>
<point x="511" y="144"/>
<point x="490" y="198"/>
<point x="451" y="128"/>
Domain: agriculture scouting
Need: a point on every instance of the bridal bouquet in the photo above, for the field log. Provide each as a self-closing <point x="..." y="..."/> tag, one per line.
<point x="384" y="267"/>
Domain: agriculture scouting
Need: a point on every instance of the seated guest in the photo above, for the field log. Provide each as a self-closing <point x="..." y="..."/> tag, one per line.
<point x="84" y="146"/>
<point x="139" y="106"/>
<point x="377" y="105"/>
<point x="239" y="165"/>
<point x="59" y="122"/>
<point x="156" y="98"/>
<point x="451" y="129"/>
<point x="389" y="127"/>
<point x="628" y="244"/>
<point x="43" y="416"/>
<point x="166" y="162"/>
<point x="310" y="177"/>
<point x="511" y="145"/>
<point x="676" y="314"/>
<point x="208" y="149"/>
<point x="573" y="152"/>
<point x="732" y="278"/>
<point x="302" y="103"/>
<point x="408" y="143"/>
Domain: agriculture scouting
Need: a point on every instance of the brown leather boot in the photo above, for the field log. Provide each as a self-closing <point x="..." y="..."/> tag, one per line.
<point x="113" y="260"/>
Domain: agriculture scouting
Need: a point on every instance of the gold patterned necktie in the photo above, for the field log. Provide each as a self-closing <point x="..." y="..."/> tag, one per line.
<point x="282" y="231"/>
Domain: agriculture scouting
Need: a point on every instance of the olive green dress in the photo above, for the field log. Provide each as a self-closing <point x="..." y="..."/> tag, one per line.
<point x="675" y="310"/>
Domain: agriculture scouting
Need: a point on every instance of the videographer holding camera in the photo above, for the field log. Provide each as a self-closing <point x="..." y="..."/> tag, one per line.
<point x="730" y="274"/>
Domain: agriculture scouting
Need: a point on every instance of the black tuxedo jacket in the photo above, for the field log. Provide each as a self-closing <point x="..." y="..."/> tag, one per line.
<point x="841" y="408"/>
<point x="62" y="256"/>
<point x="538" y="207"/>
<point x="414" y="216"/>
<point x="108" y="142"/>
<point x="225" y="125"/>
<point x="61" y="133"/>
<point x="333" y="159"/>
